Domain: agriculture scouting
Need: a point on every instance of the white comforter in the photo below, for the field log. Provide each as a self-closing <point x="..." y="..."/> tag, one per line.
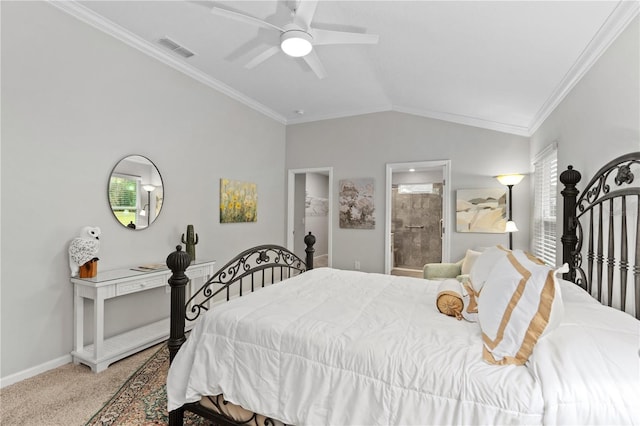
<point x="339" y="347"/>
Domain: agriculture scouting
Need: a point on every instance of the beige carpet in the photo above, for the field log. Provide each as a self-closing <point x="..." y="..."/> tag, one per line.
<point x="68" y="395"/>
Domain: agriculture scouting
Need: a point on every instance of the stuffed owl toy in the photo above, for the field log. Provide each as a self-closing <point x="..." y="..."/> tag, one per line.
<point x="84" y="248"/>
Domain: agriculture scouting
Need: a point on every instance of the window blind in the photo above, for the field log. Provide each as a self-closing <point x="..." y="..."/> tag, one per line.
<point x="544" y="205"/>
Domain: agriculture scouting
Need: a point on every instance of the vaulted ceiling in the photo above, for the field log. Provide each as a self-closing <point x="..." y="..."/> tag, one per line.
<point x="501" y="65"/>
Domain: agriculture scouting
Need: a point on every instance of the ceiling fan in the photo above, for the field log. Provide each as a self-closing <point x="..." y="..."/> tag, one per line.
<point x="298" y="38"/>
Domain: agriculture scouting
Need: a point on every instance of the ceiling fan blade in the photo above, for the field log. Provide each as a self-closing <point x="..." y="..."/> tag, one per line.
<point x="321" y="37"/>
<point x="262" y="57"/>
<point x="305" y="11"/>
<point x="241" y="17"/>
<point x="314" y="63"/>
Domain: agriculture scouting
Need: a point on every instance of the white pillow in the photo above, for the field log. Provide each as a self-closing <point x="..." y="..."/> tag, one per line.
<point x="520" y="302"/>
<point x="484" y="264"/>
<point x="469" y="259"/>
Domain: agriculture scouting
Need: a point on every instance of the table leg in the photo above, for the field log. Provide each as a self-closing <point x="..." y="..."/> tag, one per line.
<point x="78" y="322"/>
<point x="98" y="326"/>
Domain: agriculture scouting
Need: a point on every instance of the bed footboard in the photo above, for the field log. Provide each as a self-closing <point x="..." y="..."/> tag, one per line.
<point x="248" y="271"/>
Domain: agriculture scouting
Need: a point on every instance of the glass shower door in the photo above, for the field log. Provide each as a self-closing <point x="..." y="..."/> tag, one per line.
<point x="417" y="234"/>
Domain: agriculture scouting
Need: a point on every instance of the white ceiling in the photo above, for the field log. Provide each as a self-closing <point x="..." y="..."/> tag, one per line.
<point x="501" y="65"/>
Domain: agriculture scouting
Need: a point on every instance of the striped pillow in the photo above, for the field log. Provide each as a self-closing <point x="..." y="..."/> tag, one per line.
<point x="520" y="301"/>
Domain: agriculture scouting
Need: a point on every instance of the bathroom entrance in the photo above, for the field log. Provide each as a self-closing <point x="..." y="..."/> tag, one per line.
<point x="416" y="228"/>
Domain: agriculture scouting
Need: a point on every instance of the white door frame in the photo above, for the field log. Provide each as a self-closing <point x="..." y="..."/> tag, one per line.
<point x="446" y="206"/>
<point x="290" y="206"/>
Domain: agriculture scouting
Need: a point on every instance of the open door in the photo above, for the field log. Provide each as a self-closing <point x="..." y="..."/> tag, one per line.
<point x="310" y="195"/>
<point x="417" y="229"/>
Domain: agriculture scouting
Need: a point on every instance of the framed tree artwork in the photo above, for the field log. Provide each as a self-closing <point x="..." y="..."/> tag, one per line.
<point x="357" y="208"/>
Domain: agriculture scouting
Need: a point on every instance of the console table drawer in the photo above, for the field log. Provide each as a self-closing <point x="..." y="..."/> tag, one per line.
<point x="195" y="272"/>
<point x="134" y="286"/>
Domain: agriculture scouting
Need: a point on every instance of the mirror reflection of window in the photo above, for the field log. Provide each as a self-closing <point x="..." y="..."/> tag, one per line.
<point x="123" y="197"/>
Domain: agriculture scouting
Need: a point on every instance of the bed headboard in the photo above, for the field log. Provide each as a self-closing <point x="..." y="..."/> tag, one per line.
<point x="601" y="238"/>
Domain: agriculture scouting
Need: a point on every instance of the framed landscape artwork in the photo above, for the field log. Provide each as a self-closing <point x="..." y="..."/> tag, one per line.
<point x="238" y="201"/>
<point x="481" y="210"/>
<point x="356" y="204"/>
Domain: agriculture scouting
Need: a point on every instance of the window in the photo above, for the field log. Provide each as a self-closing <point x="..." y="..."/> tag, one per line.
<point x="544" y="204"/>
<point x="416" y="188"/>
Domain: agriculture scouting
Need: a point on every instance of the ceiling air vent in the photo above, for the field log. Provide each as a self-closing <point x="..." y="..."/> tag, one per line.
<point x="175" y="47"/>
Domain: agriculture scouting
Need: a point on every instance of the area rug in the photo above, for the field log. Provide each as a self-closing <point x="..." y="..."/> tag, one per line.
<point x="142" y="399"/>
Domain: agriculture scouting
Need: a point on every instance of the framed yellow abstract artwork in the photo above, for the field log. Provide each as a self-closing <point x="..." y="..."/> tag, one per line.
<point x="238" y="201"/>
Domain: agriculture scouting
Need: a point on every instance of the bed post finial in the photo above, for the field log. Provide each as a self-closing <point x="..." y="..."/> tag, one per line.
<point x="309" y="240"/>
<point x="569" y="179"/>
<point x="178" y="261"/>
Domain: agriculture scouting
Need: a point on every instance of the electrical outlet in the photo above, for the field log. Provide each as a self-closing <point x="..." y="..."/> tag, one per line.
<point x="356" y="265"/>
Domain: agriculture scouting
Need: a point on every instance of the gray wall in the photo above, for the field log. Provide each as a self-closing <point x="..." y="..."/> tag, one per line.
<point x="74" y="102"/>
<point x="599" y="119"/>
<point x="477" y="155"/>
<point x="416" y="177"/>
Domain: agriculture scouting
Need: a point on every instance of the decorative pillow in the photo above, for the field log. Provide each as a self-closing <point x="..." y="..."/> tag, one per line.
<point x="470" y="299"/>
<point x="483" y="265"/>
<point x="454" y="299"/>
<point x="519" y="303"/>
<point x="469" y="259"/>
<point x="449" y="299"/>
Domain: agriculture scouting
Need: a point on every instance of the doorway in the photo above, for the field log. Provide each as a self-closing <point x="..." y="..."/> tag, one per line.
<point x="309" y="209"/>
<point x="418" y="212"/>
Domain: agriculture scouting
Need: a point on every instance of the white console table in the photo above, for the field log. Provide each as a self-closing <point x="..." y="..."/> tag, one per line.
<point x="116" y="283"/>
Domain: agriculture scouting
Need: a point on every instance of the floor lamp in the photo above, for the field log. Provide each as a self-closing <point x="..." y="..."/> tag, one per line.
<point x="147" y="211"/>
<point x="509" y="181"/>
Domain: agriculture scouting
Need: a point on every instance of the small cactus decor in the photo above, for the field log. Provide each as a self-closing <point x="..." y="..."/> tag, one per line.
<point x="190" y="242"/>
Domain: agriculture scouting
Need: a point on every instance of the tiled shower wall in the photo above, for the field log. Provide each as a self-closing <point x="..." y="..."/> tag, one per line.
<point x="416" y="228"/>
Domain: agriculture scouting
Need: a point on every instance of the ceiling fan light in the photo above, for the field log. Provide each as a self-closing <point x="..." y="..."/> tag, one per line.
<point x="296" y="43"/>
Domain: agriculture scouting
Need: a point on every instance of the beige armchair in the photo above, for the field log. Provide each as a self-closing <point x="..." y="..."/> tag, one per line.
<point x="459" y="269"/>
<point x="440" y="271"/>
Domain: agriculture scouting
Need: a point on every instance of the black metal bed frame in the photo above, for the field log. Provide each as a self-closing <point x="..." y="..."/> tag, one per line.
<point x="609" y="189"/>
<point x="585" y="230"/>
<point x="258" y="266"/>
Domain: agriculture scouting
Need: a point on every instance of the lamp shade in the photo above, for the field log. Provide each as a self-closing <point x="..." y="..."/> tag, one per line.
<point x="512" y="179"/>
<point x="148" y="187"/>
<point x="511" y="227"/>
<point x="296" y="43"/>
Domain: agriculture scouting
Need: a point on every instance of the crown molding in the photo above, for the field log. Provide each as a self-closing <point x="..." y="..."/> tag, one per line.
<point x="466" y="120"/>
<point x="618" y="20"/>
<point x="444" y="116"/>
<point x="337" y="115"/>
<point x="87" y="16"/>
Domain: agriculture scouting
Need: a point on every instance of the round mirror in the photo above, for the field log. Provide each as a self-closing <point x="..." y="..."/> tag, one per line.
<point x="135" y="192"/>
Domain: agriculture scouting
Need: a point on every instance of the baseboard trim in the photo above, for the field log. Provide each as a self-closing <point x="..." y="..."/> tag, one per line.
<point x="34" y="371"/>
